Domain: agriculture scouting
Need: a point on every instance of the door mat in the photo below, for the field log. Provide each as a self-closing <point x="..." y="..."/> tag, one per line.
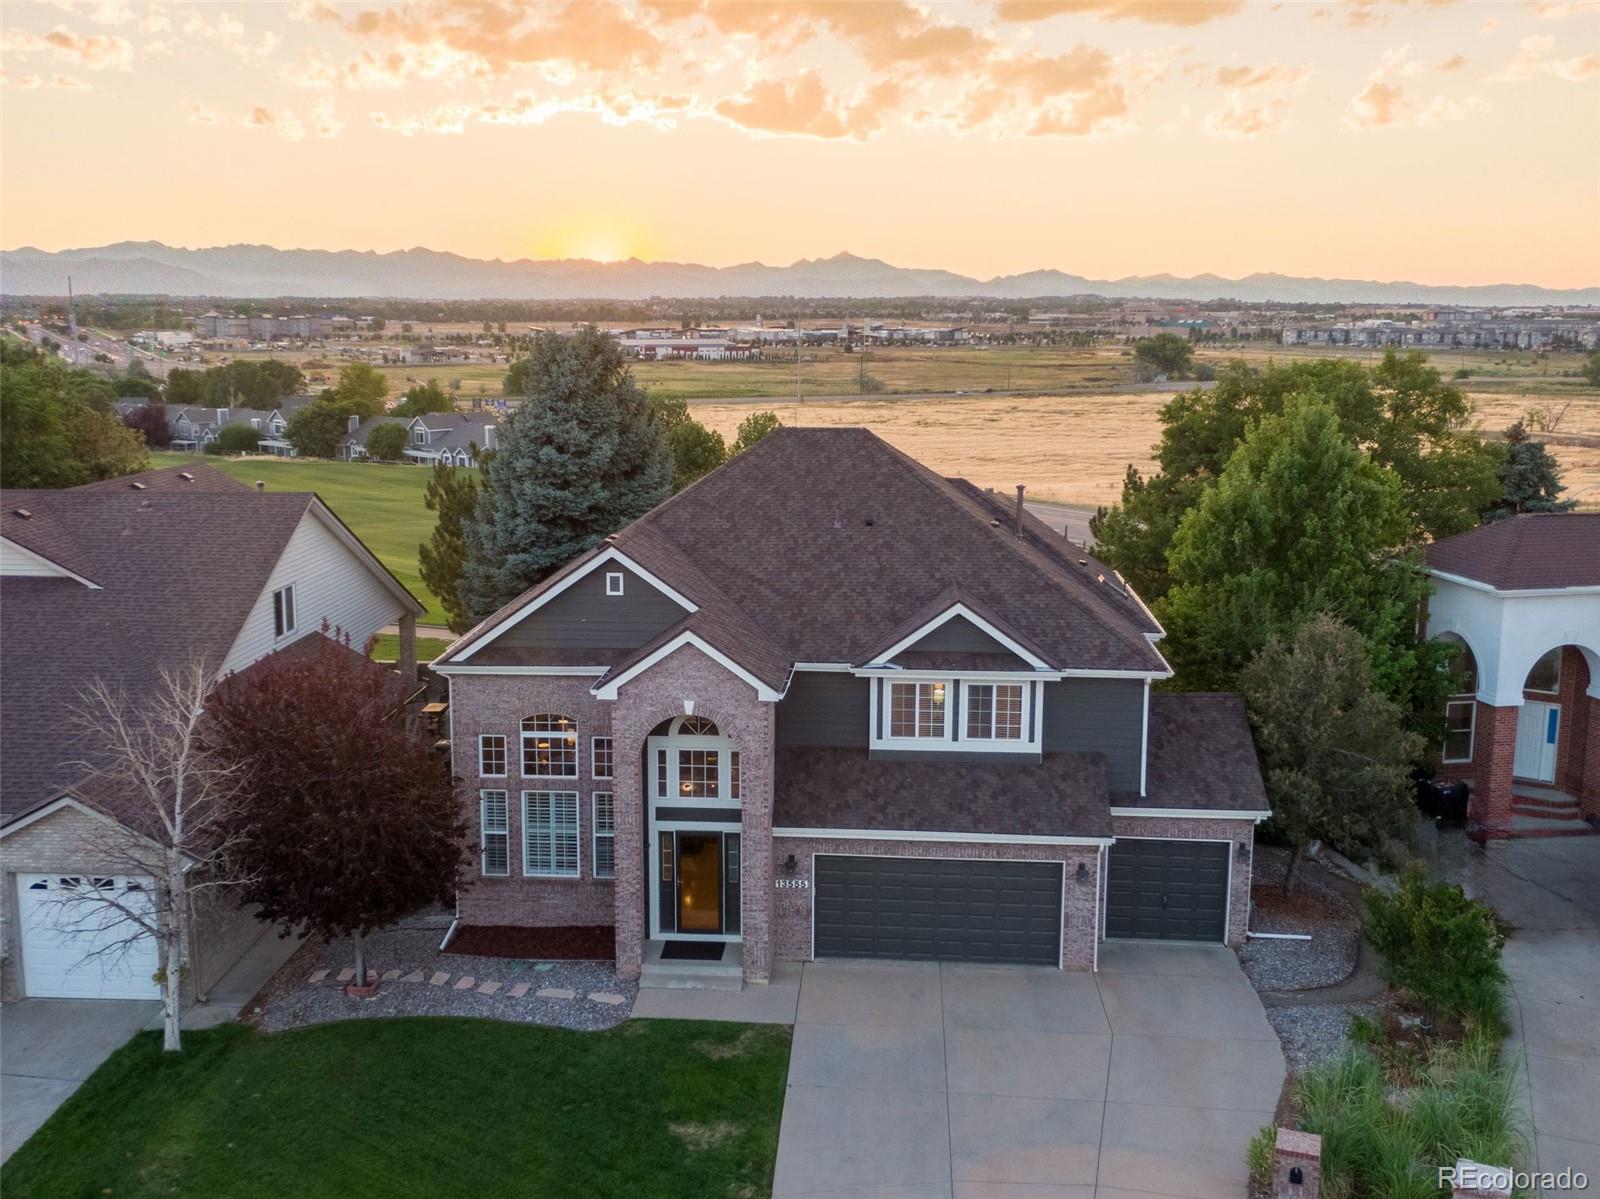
<point x="693" y="951"/>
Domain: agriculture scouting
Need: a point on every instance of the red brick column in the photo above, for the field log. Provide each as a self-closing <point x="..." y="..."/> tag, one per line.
<point x="1589" y="777"/>
<point x="1572" y="736"/>
<point x="1494" y="748"/>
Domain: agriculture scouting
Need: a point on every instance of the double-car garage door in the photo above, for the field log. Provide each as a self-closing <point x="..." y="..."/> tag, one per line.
<point x="939" y="909"/>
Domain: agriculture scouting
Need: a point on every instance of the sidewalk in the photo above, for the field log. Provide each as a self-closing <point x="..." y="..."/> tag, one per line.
<point x="240" y="984"/>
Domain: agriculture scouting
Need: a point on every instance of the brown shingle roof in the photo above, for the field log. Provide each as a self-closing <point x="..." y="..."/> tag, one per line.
<point x="1201" y="755"/>
<point x="176" y="573"/>
<point x="816" y="544"/>
<point x="1061" y="795"/>
<point x="1520" y="553"/>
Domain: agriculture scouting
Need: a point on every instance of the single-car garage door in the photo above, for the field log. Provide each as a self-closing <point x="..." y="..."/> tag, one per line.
<point x="63" y="927"/>
<point x="1167" y="890"/>
<point x="940" y="909"/>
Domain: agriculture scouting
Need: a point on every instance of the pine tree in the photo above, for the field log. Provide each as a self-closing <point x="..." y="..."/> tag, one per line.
<point x="1530" y="478"/>
<point x="580" y="458"/>
<point x="453" y="494"/>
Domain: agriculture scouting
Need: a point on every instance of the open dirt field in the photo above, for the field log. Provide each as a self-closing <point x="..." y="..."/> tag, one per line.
<point x="1075" y="448"/>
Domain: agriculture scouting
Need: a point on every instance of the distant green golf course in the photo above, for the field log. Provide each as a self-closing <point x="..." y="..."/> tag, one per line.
<point x="382" y="504"/>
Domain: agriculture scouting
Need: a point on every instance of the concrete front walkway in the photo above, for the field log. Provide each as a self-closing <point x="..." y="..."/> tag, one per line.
<point x="1548" y="890"/>
<point x="921" y="1079"/>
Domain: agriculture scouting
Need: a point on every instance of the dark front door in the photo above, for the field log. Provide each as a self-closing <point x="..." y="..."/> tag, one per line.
<point x="1167" y="890"/>
<point x="940" y="909"/>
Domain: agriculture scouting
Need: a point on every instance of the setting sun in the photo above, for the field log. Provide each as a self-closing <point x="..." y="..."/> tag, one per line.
<point x="597" y="238"/>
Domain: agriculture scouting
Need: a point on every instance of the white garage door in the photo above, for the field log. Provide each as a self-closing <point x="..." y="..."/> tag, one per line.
<point x="59" y="940"/>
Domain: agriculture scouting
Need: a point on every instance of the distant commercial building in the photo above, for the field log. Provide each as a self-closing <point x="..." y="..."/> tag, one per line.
<point x="216" y="326"/>
<point x="1455" y="332"/>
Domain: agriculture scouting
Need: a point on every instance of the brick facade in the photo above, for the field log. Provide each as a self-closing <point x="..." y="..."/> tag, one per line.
<point x="1239" y="832"/>
<point x="791" y="908"/>
<point x="660" y="693"/>
<point x="1574" y="767"/>
<point x="1494" y="749"/>
<point x="61" y="844"/>
<point x="497" y="704"/>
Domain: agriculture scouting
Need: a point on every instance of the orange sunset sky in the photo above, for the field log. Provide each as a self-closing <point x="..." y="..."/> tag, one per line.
<point x="1443" y="141"/>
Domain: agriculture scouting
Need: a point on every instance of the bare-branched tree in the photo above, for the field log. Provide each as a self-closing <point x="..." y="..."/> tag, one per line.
<point x="172" y="799"/>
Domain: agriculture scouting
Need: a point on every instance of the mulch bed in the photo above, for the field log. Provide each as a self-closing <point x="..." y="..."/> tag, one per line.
<point x="572" y="943"/>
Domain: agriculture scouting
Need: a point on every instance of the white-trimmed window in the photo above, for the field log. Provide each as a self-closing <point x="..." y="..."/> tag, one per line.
<point x="550" y="834"/>
<point x="494" y="825"/>
<point x="993" y="711"/>
<point x="600" y="757"/>
<point x="549" y="747"/>
<point x="735" y="782"/>
<point x="614" y="582"/>
<point x="605" y="835"/>
<point x="492" y="755"/>
<point x="918" y="710"/>
<point x="699" y="774"/>
<point x="1460" y="720"/>
<point x="283" y="614"/>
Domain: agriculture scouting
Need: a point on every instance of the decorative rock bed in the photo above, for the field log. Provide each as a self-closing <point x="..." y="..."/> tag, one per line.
<point x="1322" y="906"/>
<point x="415" y="979"/>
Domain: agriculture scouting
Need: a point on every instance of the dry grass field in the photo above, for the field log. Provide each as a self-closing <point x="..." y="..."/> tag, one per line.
<point x="1075" y="448"/>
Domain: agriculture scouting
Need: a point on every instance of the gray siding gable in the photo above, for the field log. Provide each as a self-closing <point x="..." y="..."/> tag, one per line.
<point x="585" y="617"/>
<point x="960" y="635"/>
<point x="825" y="709"/>
<point x="1103" y="716"/>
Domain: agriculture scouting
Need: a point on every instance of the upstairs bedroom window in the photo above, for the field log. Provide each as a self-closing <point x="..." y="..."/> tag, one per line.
<point x="550" y="746"/>
<point x="956" y="714"/>
<point x="283" y="615"/>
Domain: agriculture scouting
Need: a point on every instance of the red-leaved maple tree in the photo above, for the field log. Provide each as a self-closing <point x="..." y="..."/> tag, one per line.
<point x="348" y="820"/>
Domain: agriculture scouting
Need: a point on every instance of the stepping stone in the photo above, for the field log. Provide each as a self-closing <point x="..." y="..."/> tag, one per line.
<point x="606" y="997"/>
<point x="439" y="979"/>
<point x="317" y="976"/>
<point x="518" y="991"/>
<point x="464" y="983"/>
<point x="488" y="988"/>
<point x="390" y="975"/>
<point x="555" y="993"/>
<point x="347" y="974"/>
<point x="544" y="967"/>
<point x="372" y="976"/>
<point x="414" y="977"/>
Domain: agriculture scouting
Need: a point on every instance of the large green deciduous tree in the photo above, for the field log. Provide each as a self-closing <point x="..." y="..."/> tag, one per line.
<point x="578" y="459"/>
<point x="316" y="430"/>
<point x="1335" y="754"/>
<point x="1300" y="522"/>
<point x="1166" y="353"/>
<point x="1400" y="413"/>
<point x="1529" y="478"/>
<point x="423" y="399"/>
<point x="385" y="442"/>
<point x="696" y="450"/>
<point x="752" y="429"/>
<point x="362" y="387"/>
<point x="453" y="494"/>
<point x="57" y="426"/>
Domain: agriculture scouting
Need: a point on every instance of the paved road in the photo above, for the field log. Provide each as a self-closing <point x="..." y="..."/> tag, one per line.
<point x="1071" y="519"/>
<point x="1547" y="889"/>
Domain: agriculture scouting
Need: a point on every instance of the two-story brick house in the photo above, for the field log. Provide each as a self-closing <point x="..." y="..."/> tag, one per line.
<point x="825" y="702"/>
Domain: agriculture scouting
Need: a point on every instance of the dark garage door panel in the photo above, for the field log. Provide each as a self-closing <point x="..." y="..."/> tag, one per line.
<point x="1168" y="890"/>
<point x="938" y="909"/>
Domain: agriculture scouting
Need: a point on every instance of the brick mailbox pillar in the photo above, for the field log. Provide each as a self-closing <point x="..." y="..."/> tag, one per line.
<point x="1297" y="1165"/>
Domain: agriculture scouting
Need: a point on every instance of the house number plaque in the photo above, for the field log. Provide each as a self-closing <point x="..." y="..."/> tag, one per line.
<point x="792" y="884"/>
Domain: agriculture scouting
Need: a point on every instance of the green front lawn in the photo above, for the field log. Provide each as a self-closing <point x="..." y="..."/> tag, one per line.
<point x="381" y="503"/>
<point x="386" y="647"/>
<point x="424" y="1107"/>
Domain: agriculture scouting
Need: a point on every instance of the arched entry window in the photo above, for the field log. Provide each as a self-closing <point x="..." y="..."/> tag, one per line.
<point x="694" y="763"/>
<point x="1545" y="677"/>
<point x="693" y="789"/>
<point x="1461" y="709"/>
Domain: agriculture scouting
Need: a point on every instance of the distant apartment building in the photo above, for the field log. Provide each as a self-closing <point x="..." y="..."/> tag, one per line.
<point x="216" y="326"/>
<point x="1537" y="333"/>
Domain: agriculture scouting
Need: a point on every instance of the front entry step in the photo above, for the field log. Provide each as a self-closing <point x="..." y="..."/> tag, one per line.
<point x="681" y="974"/>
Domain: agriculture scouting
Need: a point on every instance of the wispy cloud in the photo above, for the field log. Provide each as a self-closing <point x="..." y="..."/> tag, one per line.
<point x="1532" y="59"/>
<point x="92" y="51"/>
<point x="1156" y="12"/>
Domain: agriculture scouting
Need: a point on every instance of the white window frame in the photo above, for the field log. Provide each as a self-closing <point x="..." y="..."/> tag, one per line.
<point x="284" y="616"/>
<point x="1471" y="703"/>
<point x="505" y="756"/>
<point x="485" y="832"/>
<point x="955" y="738"/>
<point x="966" y="701"/>
<point x="598" y="834"/>
<point x="527" y="735"/>
<point x="917" y="738"/>
<point x="553" y="829"/>
<point x="594" y="758"/>
<point x="615" y="582"/>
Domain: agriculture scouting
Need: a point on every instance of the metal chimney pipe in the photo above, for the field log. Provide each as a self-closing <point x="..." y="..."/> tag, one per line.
<point x="1020" y="489"/>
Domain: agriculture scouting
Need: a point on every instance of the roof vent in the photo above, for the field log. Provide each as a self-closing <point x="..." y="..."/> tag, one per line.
<point x="24" y="513"/>
<point x="870" y="521"/>
<point x="186" y="476"/>
<point x="1083" y="562"/>
<point x="137" y="486"/>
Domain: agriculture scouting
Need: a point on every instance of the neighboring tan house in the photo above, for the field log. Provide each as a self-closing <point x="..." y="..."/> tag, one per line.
<point x="1521" y="599"/>
<point x="826" y="703"/>
<point x="117" y="580"/>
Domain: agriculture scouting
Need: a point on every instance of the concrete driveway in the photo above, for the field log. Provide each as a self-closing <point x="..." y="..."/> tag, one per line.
<point x="921" y="1079"/>
<point x="1548" y="890"/>
<point x="49" y="1046"/>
